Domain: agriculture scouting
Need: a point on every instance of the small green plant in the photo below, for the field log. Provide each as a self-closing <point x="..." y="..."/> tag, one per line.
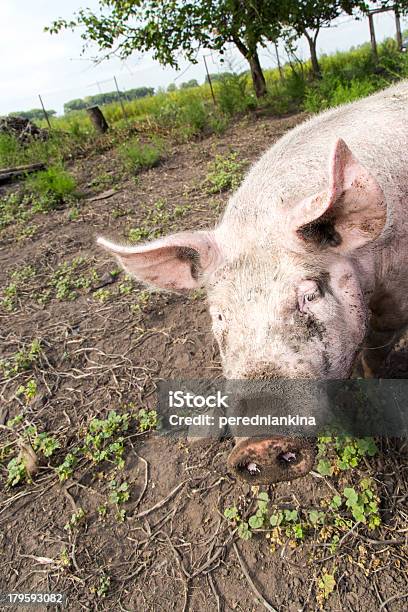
<point x="23" y="360"/>
<point x="11" y="291"/>
<point x="102" y="510"/>
<point x="363" y="504"/>
<point x="119" y="493"/>
<point x="326" y="584"/>
<point x="147" y="419"/>
<point x="341" y="453"/>
<point x="102" y="295"/>
<point x="257" y="520"/>
<point x="243" y="529"/>
<point x="224" y="173"/>
<point x="75" y="519"/>
<point x="49" y="188"/>
<point x="67" y="280"/>
<point x="66" y="468"/>
<point x="137" y="156"/>
<point x="102" y="586"/>
<point x="73" y="213"/>
<point x="16" y="471"/>
<point x="27" y="391"/>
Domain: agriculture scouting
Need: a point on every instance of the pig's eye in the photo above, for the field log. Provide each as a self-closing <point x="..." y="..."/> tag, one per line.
<point x="308" y="292"/>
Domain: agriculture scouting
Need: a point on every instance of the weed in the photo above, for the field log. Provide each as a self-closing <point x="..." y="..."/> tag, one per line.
<point x="75" y="519"/>
<point x="16" y="472"/>
<point x="126" y="286"/>
<point x="11" y="291"/>
<point x="73" y="213"/>
<point x="102" y="588"/>
<point x="66" y="468"/>
<point x="102" y="295"/>
<point x="326" y="585"/>
<point x="137" y="156"/>
<point x="224" y="173"/>
<point x="147" y="419"/>
<point x="23" y="360"/>
<point x="49" y="188"/>
<point x="67" y="281"/>
<point x="119" y="493"/>
<point x="28" y="391"/>
<point x="346" y="453"/>
<point x="102" y="510"/>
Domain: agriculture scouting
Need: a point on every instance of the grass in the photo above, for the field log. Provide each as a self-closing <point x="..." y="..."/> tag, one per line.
<point x="49" y="188"/>
<point x="225" y="172"/>
<point x="137" y="156"/>
<point x="189" y="113"/>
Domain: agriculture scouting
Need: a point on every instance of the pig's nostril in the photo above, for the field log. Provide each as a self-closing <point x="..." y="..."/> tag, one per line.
<point x="288" y="457"/>
<point x="251" y="469"/>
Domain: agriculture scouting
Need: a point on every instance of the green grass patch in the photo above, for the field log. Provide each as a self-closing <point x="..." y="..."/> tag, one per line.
<point x="49" y="188"/>
<point x="137" y="156"/>
<point x="225" y="173"/>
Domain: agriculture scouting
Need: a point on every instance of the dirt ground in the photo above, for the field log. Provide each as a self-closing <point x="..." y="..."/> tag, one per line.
<point x="174" y="550"/>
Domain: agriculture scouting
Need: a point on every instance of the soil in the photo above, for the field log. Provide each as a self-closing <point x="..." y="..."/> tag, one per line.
<point x="174" y="549"/>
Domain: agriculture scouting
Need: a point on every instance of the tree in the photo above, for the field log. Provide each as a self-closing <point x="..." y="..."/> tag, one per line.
<point x="189" y="84"/>
<point x="308" y="17"/>
<point x="171" y="28"/>
<point x="34" y="113"/>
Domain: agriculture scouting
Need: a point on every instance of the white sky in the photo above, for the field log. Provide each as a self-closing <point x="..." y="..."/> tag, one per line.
<point x="34" y="62"/>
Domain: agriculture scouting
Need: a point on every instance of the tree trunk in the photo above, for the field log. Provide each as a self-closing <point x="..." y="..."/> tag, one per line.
<point x="258" y="78"/>
<point x="257" y="75"/>
<point x="313" y="56"/>
<point x="97" y="118"/>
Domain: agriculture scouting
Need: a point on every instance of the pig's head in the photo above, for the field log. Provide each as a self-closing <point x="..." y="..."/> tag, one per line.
<point x="286" y="302"/>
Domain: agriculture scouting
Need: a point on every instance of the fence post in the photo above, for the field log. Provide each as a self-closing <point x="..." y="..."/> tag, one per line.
<point x="45" y="112"/>
<point x="97" y="118"/>
<point x="120" y="98"/>
<point x="209" y="81"/>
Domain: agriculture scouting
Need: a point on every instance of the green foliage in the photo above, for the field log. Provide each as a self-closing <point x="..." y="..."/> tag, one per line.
<point x="27" y="391"/>
<point x="345" y="453"/>
<point x="22" y="360"/>
<point x="233" y="96"/>
<point x="363" y="503"/>
<point x="147" y="419"/>
<point x="11" y="291"/>
<point x="75" y="519"/>
<point x="119" y="493"/>
<point x="66" y="468"/>
<point x="49" y="188"/>
<point x="158" y="220"/>
<point x="33" y="114"/>
<point x="102" y="586"/>
<point x="103" y="441"/>
<point x="326" y="584"/>
<point x="67" y="281"/>
<point x="16" y="471"/>
<point x="224" y="173"/>
<point x="137" y="156"/>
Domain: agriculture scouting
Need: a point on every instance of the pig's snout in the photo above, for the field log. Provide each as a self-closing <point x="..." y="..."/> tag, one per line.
<point x="270" y="460"/>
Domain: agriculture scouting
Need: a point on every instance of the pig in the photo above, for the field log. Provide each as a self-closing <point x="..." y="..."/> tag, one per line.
<point x="308" y="264"/>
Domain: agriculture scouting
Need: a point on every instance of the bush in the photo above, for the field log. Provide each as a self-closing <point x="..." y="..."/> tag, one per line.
<point x="136" y="155"/>
<point x="50" y="187"/>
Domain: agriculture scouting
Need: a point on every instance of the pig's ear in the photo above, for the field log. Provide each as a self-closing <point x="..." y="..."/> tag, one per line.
<point x="176" y="262"/>
<point x="350" y="213"/>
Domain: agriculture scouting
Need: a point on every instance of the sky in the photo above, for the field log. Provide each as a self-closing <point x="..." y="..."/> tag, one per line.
<point x="35" y="62"/>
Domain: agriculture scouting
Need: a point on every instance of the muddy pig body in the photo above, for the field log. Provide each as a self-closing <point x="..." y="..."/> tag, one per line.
<point x="308" y="264"/>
